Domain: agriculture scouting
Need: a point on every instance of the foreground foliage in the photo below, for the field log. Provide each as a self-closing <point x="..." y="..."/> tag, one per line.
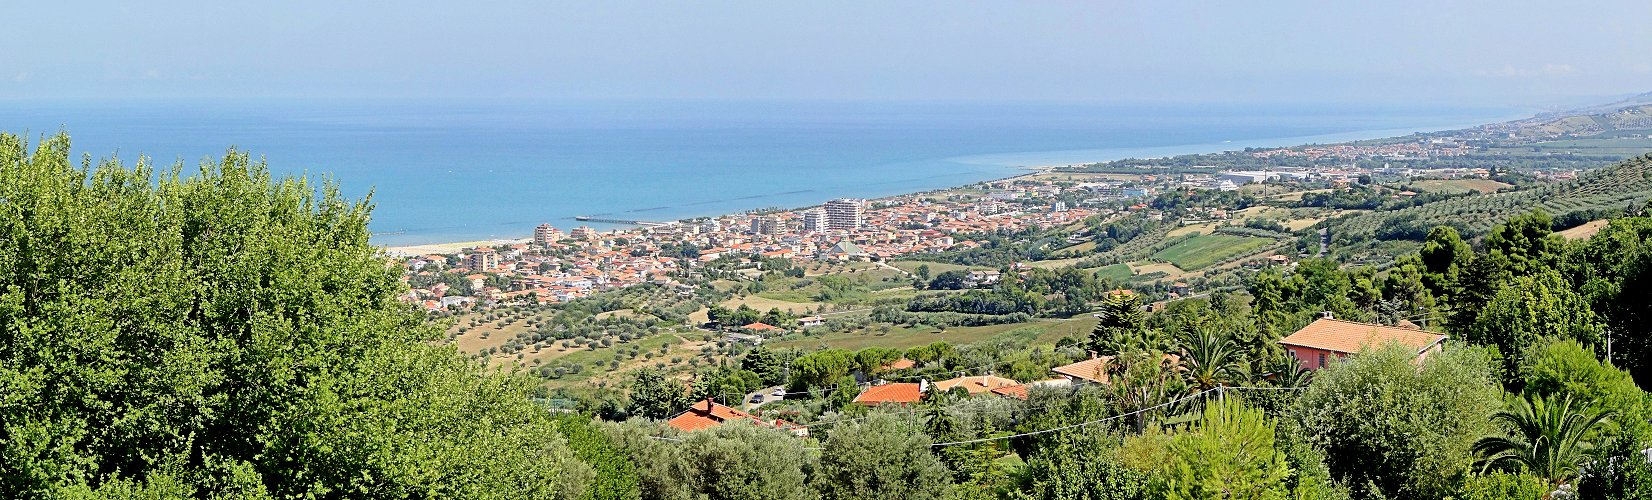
<point x="227" y="333"/>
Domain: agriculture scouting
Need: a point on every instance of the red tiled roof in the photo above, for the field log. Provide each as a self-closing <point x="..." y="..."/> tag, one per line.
<point x="975" y="385"/>
<point x="1093" y="369"/>
<point x="760" y="326"/>
<point x="900" y="364"/>
<point x="899" y="392"/>
<point x="1348" y="337"/>
<point x="707" y="414"/>
<point x="1017" y="391"/>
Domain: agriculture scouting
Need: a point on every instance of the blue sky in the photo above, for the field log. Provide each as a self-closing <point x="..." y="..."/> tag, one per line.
<point x="1506" y="52"/>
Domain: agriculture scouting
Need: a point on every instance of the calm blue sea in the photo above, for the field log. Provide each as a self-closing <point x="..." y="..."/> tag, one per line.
<point x="467" y="170"/>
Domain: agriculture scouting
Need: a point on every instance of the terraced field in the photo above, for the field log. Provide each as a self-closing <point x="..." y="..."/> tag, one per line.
<point x="1624" y="184"/>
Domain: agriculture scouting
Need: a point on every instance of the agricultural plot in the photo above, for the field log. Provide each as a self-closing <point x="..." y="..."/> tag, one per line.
<point x="1624" y="184"/>
<point x="1115" y="273"/>
<point x="1457" y="186"/>
<point x="1585" y="231"/>
<point x="1205" y="250"/>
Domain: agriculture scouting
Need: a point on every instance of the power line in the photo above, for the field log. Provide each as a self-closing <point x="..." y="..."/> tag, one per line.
<point x="1077" y="425"/>
<point x="1218" y="389"/>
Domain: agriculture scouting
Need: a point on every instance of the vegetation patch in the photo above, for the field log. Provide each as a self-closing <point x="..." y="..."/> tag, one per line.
<point x="1204" y="250"/>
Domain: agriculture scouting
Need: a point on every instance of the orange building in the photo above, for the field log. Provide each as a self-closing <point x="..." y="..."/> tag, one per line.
<point x="1328" y="339"/>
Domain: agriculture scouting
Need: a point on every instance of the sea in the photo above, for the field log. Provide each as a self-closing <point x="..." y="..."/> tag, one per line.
<point x="466" y="170"/>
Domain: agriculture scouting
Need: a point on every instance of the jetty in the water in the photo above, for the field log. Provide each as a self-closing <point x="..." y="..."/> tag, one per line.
<point x="587" y="218"/>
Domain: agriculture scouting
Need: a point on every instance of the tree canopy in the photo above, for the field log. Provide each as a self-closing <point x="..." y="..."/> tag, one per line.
<point x="223" y="332"/>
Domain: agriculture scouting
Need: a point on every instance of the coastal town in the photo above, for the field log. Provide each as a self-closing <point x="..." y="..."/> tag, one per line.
<point x="557" y="266"/>
<point x="561" y="263"/>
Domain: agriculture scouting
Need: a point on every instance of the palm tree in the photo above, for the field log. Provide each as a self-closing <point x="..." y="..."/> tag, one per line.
<point x="1212" y="359"/>
<point x="1285" y="370"/>
<point x="1548" y="437"/>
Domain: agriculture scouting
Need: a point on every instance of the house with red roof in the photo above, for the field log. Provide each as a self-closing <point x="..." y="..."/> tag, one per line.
<point x="1017" y="391"/>
<point x="976" y="384"/>
<point x="1328" y="339"/>
<point x="899" y="364"/>
<point x="899" y="393"/>
<point x="1093" y="370"/>
<point x="707" y="414"/>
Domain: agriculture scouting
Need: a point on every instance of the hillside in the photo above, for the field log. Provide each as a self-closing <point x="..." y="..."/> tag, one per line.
<point x="1627" y="183"/>
<point x="1634" y="113"/>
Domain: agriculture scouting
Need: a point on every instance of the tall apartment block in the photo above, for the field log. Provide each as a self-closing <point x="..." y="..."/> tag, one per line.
<point x="765" y="224"/>
<point x="814" y="220"/>
<point x="844" y="214"/>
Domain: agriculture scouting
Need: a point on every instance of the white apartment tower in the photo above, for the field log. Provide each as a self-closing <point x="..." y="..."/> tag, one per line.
<point x="814" y="220"/>
<point x="844" y="214"/>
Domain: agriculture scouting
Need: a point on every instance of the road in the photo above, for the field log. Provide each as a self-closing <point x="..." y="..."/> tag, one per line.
<point x="762" y="397"/>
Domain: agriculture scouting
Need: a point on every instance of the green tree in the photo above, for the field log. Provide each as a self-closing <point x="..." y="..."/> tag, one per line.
<point x="1505" y="486"/>
<point x="1546" y="437"/>
<point x="1393" y="429"/>
<point x="820" y="368"/>
<point x="1444" y="256"/>
<point x="1230" y="453"/>
<point x="226" y="333"/>
<point x="1614" y="270"/>
<point x="615" y="478"/>
<point x="1528" y="242"/>
<point x="1121" y="320"/>
<point x="1405" y="293"/>
<point x="1212" y="359"/>
<point x="735" y="460"/>
<point x="1566" y="368"/>
<point x="880" y="457"/>
<point x="654" y="395"/>
<point x="1532" y="308"/>
<point x="1081" y="464"/>
<point x="1621" y="472"/>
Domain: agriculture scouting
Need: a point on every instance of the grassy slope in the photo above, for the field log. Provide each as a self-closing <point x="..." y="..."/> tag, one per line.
<point x="1204" y="250"/>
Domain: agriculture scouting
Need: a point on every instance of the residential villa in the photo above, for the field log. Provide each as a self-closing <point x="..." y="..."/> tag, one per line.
<point x="975" y="385"/>
<point x="707" y="414"/>
<point x="899" y="393"/>
<point x="1327" y="339"/>
<point x="1091" y="371"/>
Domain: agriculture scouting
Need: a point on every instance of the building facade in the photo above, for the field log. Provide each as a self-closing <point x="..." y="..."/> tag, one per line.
<point x="482" y="259"/>
<point x="545" y="234"/>
<point x="845" y="214"/>
<point x="814" y="220"/>
<point x="765" y="224"/>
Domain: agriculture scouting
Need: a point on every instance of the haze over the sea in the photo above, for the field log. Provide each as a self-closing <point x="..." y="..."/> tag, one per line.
<point x="468" y="170"/>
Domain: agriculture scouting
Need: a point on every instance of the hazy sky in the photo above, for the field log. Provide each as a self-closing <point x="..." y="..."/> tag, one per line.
<point x="1502" y="52"/>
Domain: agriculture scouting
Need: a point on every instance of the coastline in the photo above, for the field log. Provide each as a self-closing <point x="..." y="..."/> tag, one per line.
<point x="1030" y="165"/>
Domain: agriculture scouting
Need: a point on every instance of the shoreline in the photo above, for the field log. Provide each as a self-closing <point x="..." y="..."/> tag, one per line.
<point x="1026" y="170"/>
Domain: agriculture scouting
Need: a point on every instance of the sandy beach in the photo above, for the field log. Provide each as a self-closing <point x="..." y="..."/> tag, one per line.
<point x="448" y="248"/>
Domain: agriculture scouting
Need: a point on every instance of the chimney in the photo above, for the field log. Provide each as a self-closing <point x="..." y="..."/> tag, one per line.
<point x="1326" y="315"/>
<point x="923" y="386"/>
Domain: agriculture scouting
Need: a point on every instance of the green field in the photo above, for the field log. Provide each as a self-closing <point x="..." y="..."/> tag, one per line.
<point x="901" y="337"/>
<point x="1204" y="250"/>
<point x="1457" y="186"/>
<point x="935" y="268"/>
<point x="1116" y="272"/>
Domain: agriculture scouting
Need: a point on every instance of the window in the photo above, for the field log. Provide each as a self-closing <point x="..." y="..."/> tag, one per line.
<point x="1322" y="359"/>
